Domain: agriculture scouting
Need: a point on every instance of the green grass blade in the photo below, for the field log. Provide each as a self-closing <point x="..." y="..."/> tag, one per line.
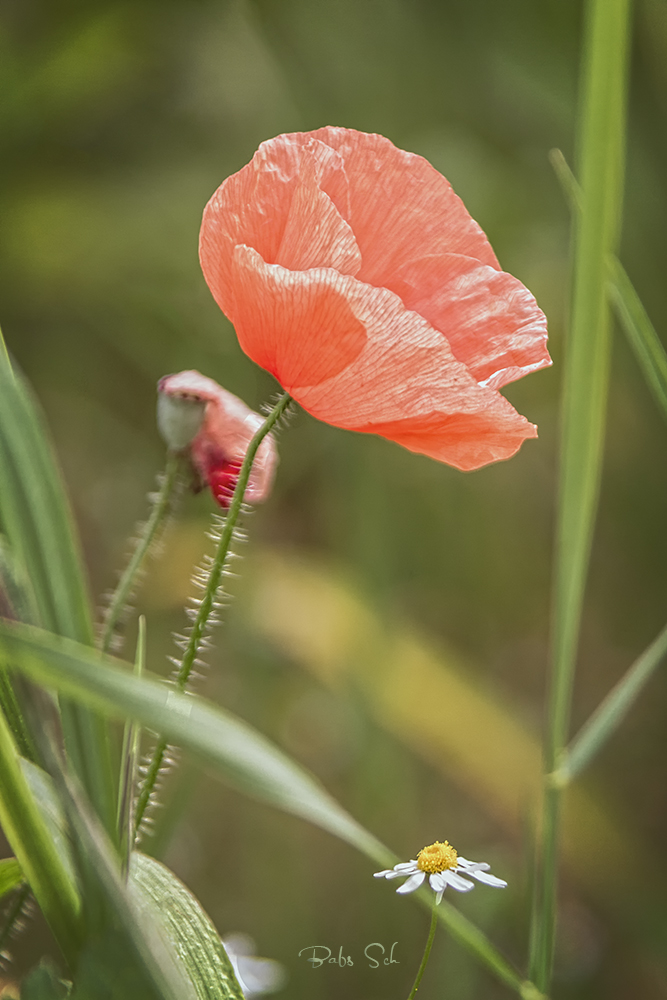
<point x="129" y="758"/>
<point x="611" y="712"/>
<point x="36" y="519"/>
<point x="640" y="332"/>
<point x="220" y="740"/>
<point x="36" y="851"/>
<point x="601" y="142"/>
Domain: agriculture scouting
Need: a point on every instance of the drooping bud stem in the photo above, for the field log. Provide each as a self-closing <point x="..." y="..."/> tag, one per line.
<point x="149" y="533"/>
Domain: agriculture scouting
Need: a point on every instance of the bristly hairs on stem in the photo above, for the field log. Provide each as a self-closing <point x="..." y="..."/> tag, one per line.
<point x="203" y="611"/>
<point x="145" y="543"/>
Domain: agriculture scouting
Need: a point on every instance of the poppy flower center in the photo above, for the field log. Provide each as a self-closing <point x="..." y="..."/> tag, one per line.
<point x="222" y="479"/>
<point x="437" y="857"/>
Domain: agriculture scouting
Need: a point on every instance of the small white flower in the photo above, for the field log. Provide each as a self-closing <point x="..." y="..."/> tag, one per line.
<point x="255" y="975"/>
<point x="444" y="867"/>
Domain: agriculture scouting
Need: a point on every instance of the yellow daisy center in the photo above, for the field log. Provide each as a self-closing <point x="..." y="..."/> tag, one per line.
<point x="437" y="857"/>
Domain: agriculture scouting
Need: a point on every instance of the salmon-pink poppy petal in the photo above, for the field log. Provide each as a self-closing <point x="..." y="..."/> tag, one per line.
<point x="492" y="322"/>
<point x="315" y="234"/>
<point x="466" y="441"/>
<point x="401" y="379"/>
<point x="400" y="206"/>
<point x="276" y="205"/>
<point x="296" y="324"/>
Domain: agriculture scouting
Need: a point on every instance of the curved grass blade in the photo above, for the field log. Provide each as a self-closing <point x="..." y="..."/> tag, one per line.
<point x="124" y="952"/>
<point x="31" y="839"/>
<point x="187" y="930"/>
<point x="223" y="742"/>
<point x="129" y="758"/>
<point x="611" y="711"/>
<point x="640" y="332"/>
<point x="36" y="519"/>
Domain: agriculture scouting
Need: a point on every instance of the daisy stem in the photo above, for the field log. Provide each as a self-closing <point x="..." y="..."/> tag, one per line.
<point x="207" y="603"/>
<point x="123" y="591"/>
<point x="427" y="949"/>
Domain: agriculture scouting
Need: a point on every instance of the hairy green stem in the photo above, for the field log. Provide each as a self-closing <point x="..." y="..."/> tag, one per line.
<point x="208" y="600"/>
<point x="123" y="591"/>
<point x="602" y="147"/>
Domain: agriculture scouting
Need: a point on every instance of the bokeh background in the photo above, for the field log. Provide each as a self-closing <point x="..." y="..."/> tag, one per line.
<point x="390" y="626"/>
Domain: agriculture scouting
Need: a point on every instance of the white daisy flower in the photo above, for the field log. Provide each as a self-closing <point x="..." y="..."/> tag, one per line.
<point x="255" y="975"/>
<point x="444" y="867"/>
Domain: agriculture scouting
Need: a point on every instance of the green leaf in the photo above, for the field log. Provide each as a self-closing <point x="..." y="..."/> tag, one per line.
<point x="51" y="809"/>
<point x="36" y="519"/>
<point x="108" y="970"/>
<point x="36" y="850"/>
<point x="187" y="930"/>
<point x="11" y="875"/>
<point x="219" y="739"/>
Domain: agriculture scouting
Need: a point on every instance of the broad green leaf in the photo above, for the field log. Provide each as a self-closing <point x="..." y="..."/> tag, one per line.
<point x="36" y="520"/>
<point x="123" y="956"/>
<point x="11" y="875"/>
<point x="187" y="930"/>
<point x="219" y="739"/>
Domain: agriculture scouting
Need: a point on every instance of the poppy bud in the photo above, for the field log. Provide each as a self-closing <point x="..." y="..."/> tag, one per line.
<point x="197" y="414"/>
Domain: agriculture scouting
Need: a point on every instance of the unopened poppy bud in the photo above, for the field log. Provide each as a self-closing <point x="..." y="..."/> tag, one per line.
<point x="219" y="440"/>
<point x="179" y="416"/>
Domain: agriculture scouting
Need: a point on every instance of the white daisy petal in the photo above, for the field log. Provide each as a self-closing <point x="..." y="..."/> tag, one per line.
<point x="382" y="874"/>
<point x="458" y="883"/>
<point x="412" y="883"/>
<point x="488" y="879"/>
<point x="480" y="866"/>
<point x="437" y="882"/>
<point x="395" y="874"/>
<point x="405" y="865"/>
<point x="438" y="897"/>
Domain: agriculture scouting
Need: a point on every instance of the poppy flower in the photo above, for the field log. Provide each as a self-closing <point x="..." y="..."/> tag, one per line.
<point x="197" y="414"/>
<point x="353" y="273"/>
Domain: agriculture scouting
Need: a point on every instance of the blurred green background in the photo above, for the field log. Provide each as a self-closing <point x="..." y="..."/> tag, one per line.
<point x="390" y="628"/>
